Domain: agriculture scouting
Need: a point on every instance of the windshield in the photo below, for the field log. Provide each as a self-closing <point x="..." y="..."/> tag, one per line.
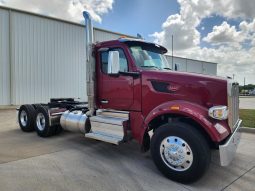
<point x="147" y="58"/>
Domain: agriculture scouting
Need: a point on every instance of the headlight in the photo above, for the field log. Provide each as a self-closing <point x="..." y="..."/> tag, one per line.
<point x="218" y="112"/>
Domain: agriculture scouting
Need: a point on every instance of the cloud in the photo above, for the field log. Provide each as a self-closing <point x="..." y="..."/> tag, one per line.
<point x="96" y="8"/>
<point x="186" y="36"/>
<point x="247" y="27"/>
<point x="224" y="34"/>
<point x="242" y="8"/>
<point x="232" y="47"/>
<point x="184" y="25"/>
<point x="228" y="8"/>
<point x="65" y="9"/>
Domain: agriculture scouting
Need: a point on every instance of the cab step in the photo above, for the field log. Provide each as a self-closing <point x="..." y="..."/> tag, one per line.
<point x="113" y="139"/>
<point x="108" y="126"/>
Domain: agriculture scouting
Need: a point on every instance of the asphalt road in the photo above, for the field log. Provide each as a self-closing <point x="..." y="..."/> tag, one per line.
<point x="71" y="162"/>
<point x="247" y="102"/>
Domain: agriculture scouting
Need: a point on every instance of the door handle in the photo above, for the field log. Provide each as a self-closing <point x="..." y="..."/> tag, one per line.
<point x="104" y="101"/>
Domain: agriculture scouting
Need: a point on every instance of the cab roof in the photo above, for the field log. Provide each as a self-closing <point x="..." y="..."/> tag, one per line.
<point x="136" y="42"/>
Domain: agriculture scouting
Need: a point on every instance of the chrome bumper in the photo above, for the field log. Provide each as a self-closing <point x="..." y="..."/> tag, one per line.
<point x="228" y="149"/>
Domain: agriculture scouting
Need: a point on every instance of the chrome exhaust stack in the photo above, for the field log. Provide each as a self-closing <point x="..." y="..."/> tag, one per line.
<point x="90" y="64"/>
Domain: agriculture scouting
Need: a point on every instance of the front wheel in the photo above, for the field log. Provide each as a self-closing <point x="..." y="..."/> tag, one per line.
<point x="180" y="152"/>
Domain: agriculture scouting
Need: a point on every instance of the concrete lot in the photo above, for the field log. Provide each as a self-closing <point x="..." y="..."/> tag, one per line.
<point x="71" y="162"/>
<point x="247" y="103"/>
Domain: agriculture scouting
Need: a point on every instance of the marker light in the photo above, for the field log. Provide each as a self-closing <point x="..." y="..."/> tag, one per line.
<point x="218" y="112"/>
<point x="175" y="107"/>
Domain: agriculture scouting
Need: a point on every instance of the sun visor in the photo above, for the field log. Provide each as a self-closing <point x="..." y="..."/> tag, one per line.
<point x="145" y="45"/>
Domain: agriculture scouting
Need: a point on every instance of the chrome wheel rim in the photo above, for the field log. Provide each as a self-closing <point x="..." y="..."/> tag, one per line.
<point x="40" y="121"/>
<point x="23" y="118"/>
<point x="176" y="153"/>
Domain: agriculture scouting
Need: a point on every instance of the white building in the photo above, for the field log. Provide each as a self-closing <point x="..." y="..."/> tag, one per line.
<point x="191" y="65"/>
<point x="43" y="57"/>
<point x="252" y="92"/>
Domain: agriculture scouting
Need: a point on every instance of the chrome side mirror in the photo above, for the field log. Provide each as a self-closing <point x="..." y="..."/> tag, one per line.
<point x="113" y="62"/>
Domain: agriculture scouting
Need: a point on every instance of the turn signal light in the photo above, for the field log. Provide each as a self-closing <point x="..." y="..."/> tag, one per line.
<point x="218" y="112"/>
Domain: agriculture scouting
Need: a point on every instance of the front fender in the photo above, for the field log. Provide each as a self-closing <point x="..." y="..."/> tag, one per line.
<point x="193" y="111"/>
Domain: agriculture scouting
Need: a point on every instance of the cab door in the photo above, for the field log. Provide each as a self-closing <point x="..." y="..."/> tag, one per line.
<point x="115" y="91"/>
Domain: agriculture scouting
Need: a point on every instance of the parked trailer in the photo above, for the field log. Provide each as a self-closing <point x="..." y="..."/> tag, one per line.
<point x="133" y="94"/>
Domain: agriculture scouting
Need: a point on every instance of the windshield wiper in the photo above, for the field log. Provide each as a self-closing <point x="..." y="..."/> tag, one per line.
<point x="167" y="68"/>
<point x="150" y="67"/>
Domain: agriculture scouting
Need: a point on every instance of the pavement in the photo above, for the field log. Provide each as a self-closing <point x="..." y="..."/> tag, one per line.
<point x="247" y="102"/>
<point x="71" y="162"/>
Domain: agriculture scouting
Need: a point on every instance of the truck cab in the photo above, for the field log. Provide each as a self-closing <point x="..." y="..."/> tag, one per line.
<point x="134" y="94"/>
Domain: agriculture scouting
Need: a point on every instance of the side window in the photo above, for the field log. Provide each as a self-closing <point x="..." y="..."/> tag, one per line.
<point x="104" y="62"/>
<point x="123" y="60"/>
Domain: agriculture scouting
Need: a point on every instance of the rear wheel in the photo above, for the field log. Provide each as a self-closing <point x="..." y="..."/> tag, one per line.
<point x="36" y="105"/>
<point x="26" y="118"/>
<point x="180" y="152"/>
<point x="42" y="125"/>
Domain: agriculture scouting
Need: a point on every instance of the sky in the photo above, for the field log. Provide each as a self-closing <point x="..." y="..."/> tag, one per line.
<point x="221" y="31"/>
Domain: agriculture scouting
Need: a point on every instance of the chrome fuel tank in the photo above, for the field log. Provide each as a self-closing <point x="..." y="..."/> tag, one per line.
<point x="74" y="121"/>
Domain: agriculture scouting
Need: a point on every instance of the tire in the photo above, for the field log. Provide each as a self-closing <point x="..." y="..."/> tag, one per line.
<point x="36" y="105"/>
<point x="190" y="156"/>
<point x="26" y="118"/>
<point x="42" y="125"/>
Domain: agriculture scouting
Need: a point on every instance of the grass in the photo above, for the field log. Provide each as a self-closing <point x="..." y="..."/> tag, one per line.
<point x="248" y="117"/>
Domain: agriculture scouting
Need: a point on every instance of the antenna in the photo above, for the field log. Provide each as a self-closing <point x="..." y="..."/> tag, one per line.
<point x="139" y="36"/>
<point x="172" y="52"/>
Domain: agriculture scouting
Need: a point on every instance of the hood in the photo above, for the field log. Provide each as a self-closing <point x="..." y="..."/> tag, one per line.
<point x="197" y="88"/>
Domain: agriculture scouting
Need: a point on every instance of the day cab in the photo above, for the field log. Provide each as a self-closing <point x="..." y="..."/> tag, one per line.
<point x="179" y="116"/>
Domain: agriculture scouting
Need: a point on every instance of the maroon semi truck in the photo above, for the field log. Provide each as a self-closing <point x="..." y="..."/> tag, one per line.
<point x="133" y="94"/>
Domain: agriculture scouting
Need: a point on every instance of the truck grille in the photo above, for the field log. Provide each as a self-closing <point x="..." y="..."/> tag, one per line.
<point x="233" y="104"/>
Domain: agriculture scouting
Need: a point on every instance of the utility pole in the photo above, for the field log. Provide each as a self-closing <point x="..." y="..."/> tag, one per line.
<point x="172" y="52"/>
<point x="244" y="86"/>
